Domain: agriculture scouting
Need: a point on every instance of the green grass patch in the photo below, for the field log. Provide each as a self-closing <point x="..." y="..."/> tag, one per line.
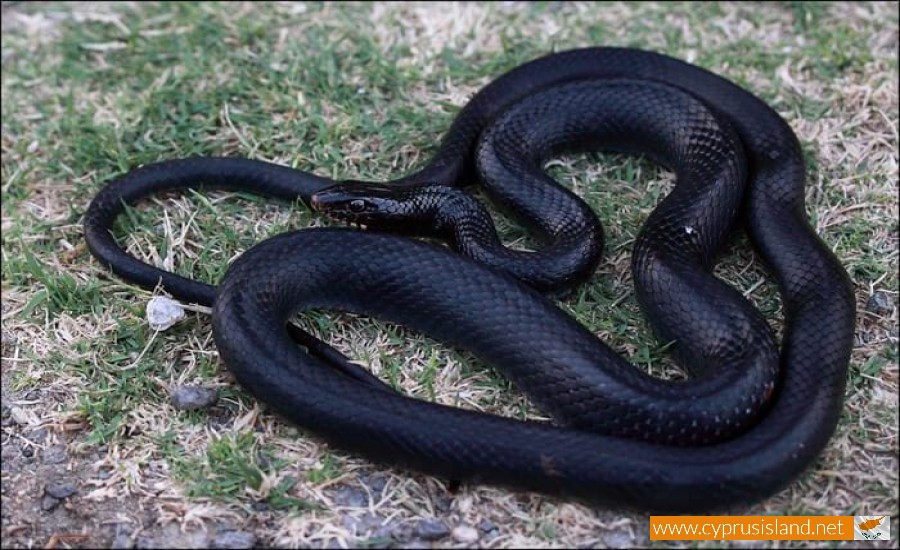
<point x="231" y="465"/>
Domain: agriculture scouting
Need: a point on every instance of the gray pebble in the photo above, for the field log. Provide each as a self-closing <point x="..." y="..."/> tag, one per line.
<point x="122" y="541"/>
<point x="8" y="340"/>
<point x="879" y="303"/>
<point x="349" y="523"/>
<point x="123" y="537"/>
<point x="618" y="539"/>
<point x="55" y="455"/>
<point x="60" y="490"/>
<point x="486" y="525"/>
<point x="144" y="541"/>
<point x="20" y="416"/>
<point x="351" y="496"/>
<point x="233" y="539"/>
<point x="38" y="435"/>
<point x="9" y="451"/>
<point x="370" y="521"/>
<point x="262" y="460"/>
<point x="49" y="503"/>
<point x="375" y="483"/>
<point x="432" y="529"/>
<point x="174" y="536"/>
<point x="442" y="503"/>
<point x="400" y="532"/>
<point x="6" y="418"/>
<point x="190" y="398"/>
<point x="366" y="523"/>
<point x="224" y="524"/>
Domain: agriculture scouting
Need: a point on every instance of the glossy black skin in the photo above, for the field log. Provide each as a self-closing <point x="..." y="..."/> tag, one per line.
<point x="749" y="422"/>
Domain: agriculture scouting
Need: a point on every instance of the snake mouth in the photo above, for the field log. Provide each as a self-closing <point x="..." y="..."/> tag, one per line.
<point x="360" y="204"/>
<point x="335" y="198"/>
<point x="325" y="201"/>
<point x="337" y="214"/>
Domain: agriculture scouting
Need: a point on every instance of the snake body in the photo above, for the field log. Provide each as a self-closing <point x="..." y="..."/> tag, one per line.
<point x="750" y="420"/>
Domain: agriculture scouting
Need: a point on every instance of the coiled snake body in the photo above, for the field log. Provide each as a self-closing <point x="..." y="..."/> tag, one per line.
<point x="748" y="422"/>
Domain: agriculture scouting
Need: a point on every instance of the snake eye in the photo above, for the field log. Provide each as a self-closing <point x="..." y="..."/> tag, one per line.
<point x="357" y="205"/>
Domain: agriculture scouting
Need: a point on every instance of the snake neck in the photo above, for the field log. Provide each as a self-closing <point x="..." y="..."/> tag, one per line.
<point x="465" y="223"/>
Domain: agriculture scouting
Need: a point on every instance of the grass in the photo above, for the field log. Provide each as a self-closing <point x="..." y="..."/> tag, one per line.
<point x="365" y="92"/>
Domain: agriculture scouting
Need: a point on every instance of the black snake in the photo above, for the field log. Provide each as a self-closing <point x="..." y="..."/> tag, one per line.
<point x="748" y="422"/>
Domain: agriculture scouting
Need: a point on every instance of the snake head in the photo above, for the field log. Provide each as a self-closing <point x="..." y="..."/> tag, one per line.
<point x="374" y="205"/>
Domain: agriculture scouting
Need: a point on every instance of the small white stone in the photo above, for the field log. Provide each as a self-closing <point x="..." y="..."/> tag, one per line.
<point x="163" y="312"/>
<point x="689" y="230"/>
<point x="464" y="533"/>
